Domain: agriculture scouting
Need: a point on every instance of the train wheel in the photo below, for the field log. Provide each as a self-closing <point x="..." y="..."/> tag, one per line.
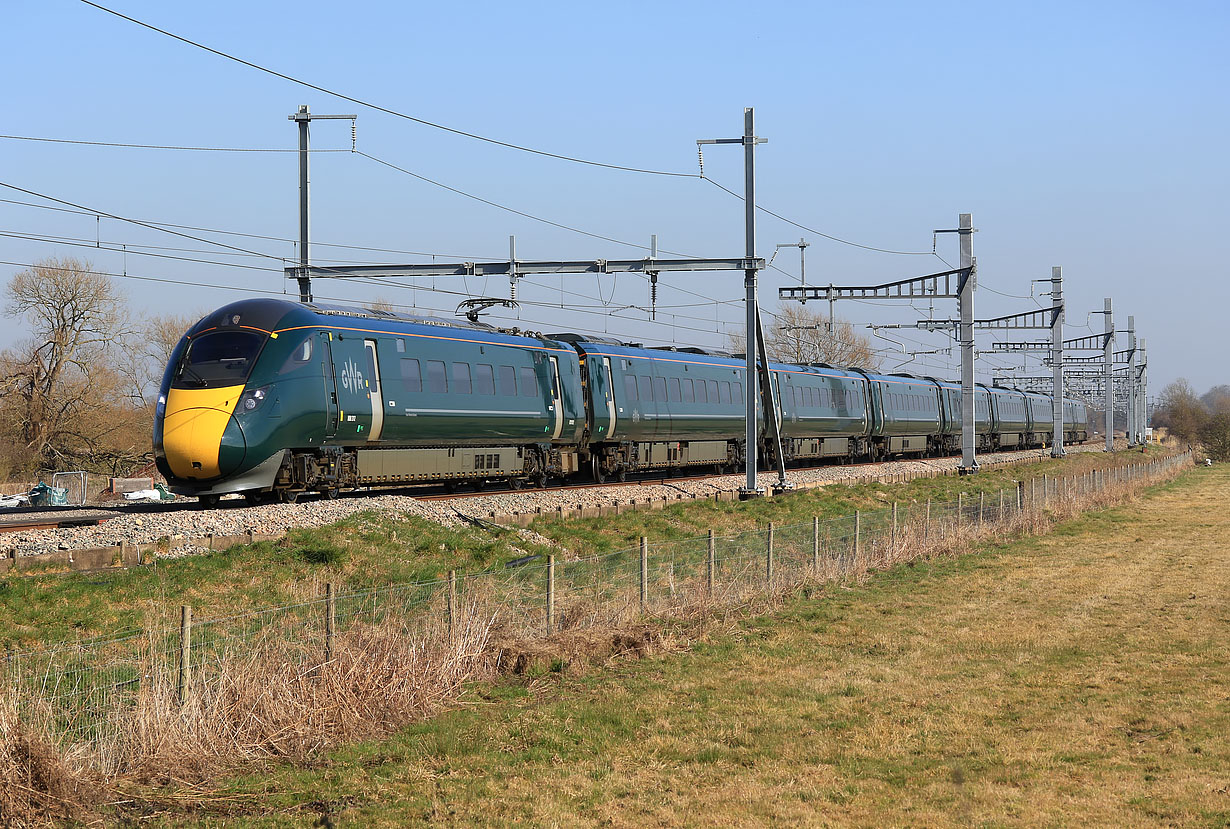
<point x="254" y="498"/>
<point x="622" y="476"/>
<point x="288" y="496"/>
<point x="331" y="493"/>
<point x="209" y="501"/>
<point x="599" y="473"/>
<point x="516" y="483"/>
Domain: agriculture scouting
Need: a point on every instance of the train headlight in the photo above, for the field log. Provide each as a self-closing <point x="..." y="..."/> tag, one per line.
<point x="252" y="400"/>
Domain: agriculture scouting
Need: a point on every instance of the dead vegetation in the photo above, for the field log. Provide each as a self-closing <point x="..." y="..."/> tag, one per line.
<point x="275" y="687"/>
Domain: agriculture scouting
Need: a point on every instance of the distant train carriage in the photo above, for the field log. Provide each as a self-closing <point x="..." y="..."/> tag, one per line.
<point x="825" y="412"/>
<point x="1011" y="414"/>
<point x="953" y="417"/>
<point x="660" y="408"/>
<point x="1041" y="419"/>
<point x="906" y="417"/>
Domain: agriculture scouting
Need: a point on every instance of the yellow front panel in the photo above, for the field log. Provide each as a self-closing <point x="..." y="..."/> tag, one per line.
<point x="192" y="429"/>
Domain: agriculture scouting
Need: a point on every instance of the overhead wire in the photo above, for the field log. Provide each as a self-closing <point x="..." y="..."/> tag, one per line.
<point x="315" y="243"/>
<point x="386" y="110"/>
<point x="169" y="147"/>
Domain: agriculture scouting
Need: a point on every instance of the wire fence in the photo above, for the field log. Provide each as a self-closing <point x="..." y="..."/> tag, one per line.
<point x="94" y="698"/>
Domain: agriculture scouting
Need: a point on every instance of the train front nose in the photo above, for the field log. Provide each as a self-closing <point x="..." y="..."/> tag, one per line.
<point x="200" y="438"/>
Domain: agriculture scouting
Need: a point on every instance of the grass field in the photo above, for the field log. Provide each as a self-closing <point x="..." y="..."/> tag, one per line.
<point x="1077" y="678"/>
<point x="370" y="550"/>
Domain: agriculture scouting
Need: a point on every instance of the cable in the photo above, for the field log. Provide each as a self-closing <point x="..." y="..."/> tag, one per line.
<point x="812" y="229"/>
<point x="166" y="147"/>
<point x="135" y="221"/>
<point x="64" y="240"/>
<point x="385" y="110"/>
<point x="393" y="166"/>
<point x="466" y="257"/>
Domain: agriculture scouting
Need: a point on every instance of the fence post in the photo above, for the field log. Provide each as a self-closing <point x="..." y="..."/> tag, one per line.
<point x="1046" y="491"/>
<point x="1020" y="496"/>
<point x="858" y="529"/>
<point x="768" y="561"/>
<point x="331" y="620"/>
<point x="982" y="508"/>
<point x="644" y="572"/>
<point x="927" y="522"/>
<point x="960" y="510"/>
<point x="1000" y="518"/>
<point x="710" y="563"/>
<point x="185" y="652"/>
<point x="893" y="538"/>
<point x="550" y="593"/>
<point x="452" y="603"/>
<point x="815" y="545"/>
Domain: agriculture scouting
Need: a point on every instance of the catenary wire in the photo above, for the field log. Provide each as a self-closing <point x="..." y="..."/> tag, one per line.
<point x="169" y="147"/>
<point x="466" y="257"/>
<point x="384" y="109"/>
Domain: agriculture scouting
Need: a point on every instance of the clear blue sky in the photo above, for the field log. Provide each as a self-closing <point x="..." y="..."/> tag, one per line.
<point x="1089" y="135"/>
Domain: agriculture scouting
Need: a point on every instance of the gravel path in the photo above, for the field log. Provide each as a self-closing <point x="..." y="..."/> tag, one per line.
<point x="182" y="521"/>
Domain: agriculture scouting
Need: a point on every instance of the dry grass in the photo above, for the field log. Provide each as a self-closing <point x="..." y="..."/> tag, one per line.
<point x="256" y="699"/>
<point x="1076" y="678"/>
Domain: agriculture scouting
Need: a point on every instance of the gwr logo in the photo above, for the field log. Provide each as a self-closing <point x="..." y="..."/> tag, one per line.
<point x="352" y="378"/>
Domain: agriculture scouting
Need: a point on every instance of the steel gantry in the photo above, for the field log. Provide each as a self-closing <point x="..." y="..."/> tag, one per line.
<point x="957" y="283"/>
<point x="1044" y="319"/>
<point x="1103" y="342"/>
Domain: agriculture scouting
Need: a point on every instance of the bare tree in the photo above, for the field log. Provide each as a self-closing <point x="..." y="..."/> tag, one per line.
<point x="1217" y="399"/>
<point x="1215" y="435"/>
<point x="144" y="360"/>
<point x="800" y="335"/>
<point x="1181" y="411"/>
<point x="61" y="383"/>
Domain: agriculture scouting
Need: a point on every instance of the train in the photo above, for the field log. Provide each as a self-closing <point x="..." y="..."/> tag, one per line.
<point x="271" y="399"/>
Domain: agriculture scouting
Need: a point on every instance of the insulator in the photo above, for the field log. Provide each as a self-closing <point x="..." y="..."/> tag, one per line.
<point x="512" y="288"/>
<point x="354" y="136"/>
<point x="653" y="296"/>
<point x="700" y="155"/>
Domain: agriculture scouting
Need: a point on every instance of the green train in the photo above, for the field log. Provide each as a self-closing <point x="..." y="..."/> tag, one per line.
<point x="272" y="399"/>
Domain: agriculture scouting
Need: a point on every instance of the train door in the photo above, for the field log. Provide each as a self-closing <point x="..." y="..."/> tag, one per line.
<point x="610" y="396"/>
<point x="377" y="398"/>
<point x="557" y="406"/>
<point x="330" y="380"/>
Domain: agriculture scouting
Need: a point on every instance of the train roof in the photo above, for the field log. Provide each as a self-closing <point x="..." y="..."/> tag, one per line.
<point x="280" y="315"/>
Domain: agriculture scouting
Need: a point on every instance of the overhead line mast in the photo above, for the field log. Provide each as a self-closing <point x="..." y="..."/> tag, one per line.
<point x="303" y="117"/>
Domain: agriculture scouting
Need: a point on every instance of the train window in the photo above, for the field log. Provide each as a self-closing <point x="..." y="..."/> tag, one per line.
<point x="676" y="390"/>
<point x="461" y="378"/>
<point x="713" y="391"/>
<point x="738" y="396"/>
<point x="528" y="382"/>
<point x="659" y="389"/>
<point x="484" y="379"/>
<point x="437" y="382"/>
<point x="645" y="386"/>
<point x="630" y="387"/>
<point x="410" y="377"/>
<point x="724" y="392"/>
<point x="702" y="392"/>
<point x="299" y="357"/>
<point x="798" y="396"/>
<point x="689" y="392"/>
<point x="508" y="381"/>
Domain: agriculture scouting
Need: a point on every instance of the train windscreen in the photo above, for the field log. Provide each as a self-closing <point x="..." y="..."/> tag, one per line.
<point x="220" y="358"/>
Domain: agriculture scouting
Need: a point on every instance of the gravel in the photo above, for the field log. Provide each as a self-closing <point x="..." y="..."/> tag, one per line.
<point x="183" y="521"/>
